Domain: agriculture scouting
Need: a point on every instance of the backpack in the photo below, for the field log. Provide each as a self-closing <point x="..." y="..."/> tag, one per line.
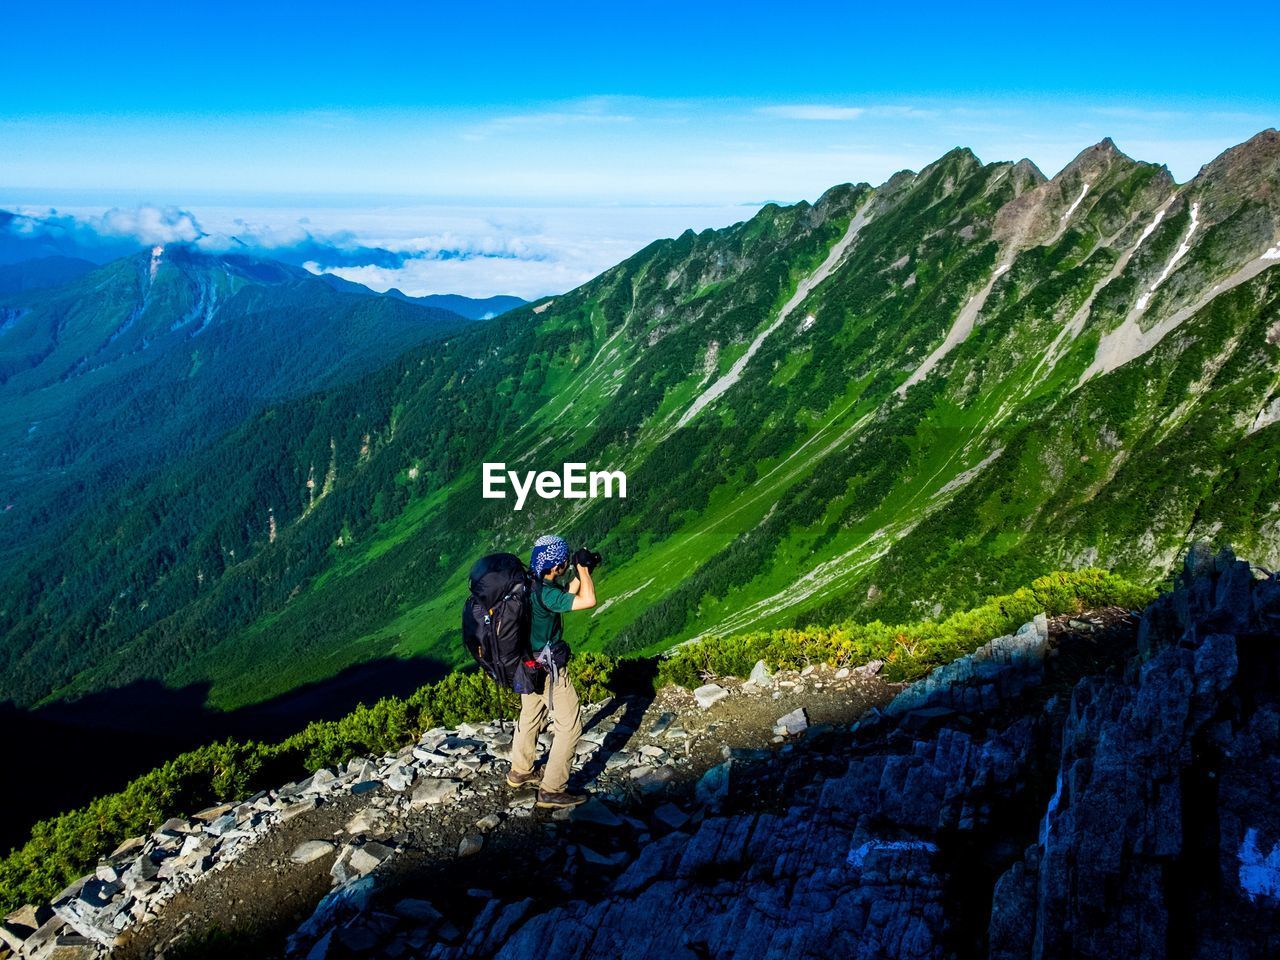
<point x="497" y="621"/>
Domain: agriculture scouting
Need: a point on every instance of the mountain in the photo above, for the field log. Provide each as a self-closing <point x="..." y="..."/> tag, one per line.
<point x="150" y="357"/>
<point x="883" y="404"/>
<point x="473" y="309"/>
<point x="41" y="272"/>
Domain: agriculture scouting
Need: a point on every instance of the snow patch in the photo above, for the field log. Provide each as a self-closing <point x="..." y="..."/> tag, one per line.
<point x="1151" y="227"/>
<point x="1072" y="209"/>
<point x="1259" y="875"/>
<point x="858" y="855"/>
<point x="1182" y="250"/>
<point x="959" y="331"/>
<point x="1129" y="341"/>
<point x="1072" y="329"/>
<point x="803" y="289"/>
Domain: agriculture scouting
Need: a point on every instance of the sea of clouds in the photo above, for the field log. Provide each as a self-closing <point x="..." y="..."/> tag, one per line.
<point x="474" y="251"/>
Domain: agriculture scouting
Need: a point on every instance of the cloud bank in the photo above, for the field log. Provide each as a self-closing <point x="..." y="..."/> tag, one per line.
<point x="473" y="251"/>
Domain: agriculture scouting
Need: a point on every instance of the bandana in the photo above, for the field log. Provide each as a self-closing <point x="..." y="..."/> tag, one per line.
<point x="548" y="551"/>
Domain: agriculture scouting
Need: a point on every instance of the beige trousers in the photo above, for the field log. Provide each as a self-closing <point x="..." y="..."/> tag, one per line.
<point x="566" y="726"/>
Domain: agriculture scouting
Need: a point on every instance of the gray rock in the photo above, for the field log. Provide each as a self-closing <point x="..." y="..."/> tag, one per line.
<point x="489" y="821"/>
<point x="367" y="856"/>
<point x="662" y="723"/>
<point x="471" y="845"/>
<point x="868" y="669"/>
<point x="369" y="820"/>
<point x="671" y="816"/>
<point x="357" y="938"/>
<point x="311" y="850"/>
<point x="797" y="721"/>
<point x="401" y="777"/>
<point x="595" y="812"/>
<point x="602" y="860"/>
<point x="302" y="806"/>
<point x="713" y="786"/>
<point x="361" y="768"/>
<point x="10" y="939"/>
<point x="709" y="694"/>
<point x="761" y="675"/>
<point x="420" y="912"/>
<point x="434" y="791"/>
<point x="430" y="756"/>
<point x="618" y="759"/>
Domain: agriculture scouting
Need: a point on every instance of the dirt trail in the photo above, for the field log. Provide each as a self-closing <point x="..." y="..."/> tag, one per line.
<point x="638" y="756"/>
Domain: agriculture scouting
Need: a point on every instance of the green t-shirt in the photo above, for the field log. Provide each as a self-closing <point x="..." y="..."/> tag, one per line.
<point x="549" y="602"/>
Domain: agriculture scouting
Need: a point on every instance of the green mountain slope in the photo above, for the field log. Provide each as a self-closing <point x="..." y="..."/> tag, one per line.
<point x="150" y="357"/>
<point x="886" y="403"/>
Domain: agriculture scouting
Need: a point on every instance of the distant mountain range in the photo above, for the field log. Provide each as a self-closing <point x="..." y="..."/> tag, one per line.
<point x="108" y="372"/>
<point x="884" y="404"/>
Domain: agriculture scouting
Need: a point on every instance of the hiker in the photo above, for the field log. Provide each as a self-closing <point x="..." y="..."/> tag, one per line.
<point x="558" y="699"/>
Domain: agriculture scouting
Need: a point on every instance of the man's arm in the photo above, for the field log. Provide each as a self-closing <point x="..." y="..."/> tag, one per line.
<point x="583" y="590"/>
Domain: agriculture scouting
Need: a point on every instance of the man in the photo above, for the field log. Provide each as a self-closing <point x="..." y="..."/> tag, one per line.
<point x="549" y="560"/>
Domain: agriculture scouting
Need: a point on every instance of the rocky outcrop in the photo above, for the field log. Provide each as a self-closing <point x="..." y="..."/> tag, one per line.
<point x="1074" y="790"/>
<point x="1162" y="835"/>
<point x="1086" y="787"/>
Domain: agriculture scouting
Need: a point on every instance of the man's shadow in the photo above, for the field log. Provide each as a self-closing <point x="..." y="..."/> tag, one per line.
<point x="634" y="683"/>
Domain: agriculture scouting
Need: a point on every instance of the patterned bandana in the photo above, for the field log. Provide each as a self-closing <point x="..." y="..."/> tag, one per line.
<point x="548" y="551"/>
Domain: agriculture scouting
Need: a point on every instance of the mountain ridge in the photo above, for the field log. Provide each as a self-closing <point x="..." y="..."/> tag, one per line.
<point x="818" y="484"/>
<point x="130" y="364"/>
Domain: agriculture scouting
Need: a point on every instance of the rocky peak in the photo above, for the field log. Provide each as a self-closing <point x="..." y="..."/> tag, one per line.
<point x="954" y="165"/>
<point x="1028" y="172"/>
<point x="1093" y="163"/>
<point x="1043" y="212"/>
<point x="1249" y="172"/>
<point x="1257" y="157"/>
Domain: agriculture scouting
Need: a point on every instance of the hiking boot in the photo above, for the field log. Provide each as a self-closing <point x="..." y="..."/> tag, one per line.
<point x="517" y="780"/>
<point x="559" y="800"/>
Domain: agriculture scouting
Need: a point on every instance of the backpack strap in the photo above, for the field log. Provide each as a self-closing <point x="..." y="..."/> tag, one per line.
<point x="537" y="595"/>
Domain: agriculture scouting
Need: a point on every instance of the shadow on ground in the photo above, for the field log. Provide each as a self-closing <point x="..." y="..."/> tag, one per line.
<point x="95" y="745"/>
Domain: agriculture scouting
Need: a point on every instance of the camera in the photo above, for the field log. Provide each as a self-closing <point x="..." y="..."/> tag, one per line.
<point x="587" y="558"/>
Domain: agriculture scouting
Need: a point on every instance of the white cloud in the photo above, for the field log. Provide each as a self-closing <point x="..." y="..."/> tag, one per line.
<point x="828" y="111"/>
<point x="149" y="225"/>
<point x="528" y="252"/>
<point x="586" y="111"/>
<point x="812" y="111"/>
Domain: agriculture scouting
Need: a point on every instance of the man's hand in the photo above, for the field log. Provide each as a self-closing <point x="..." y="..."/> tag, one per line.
<point x="583" y="589"/>
<point x="587" y="558"/>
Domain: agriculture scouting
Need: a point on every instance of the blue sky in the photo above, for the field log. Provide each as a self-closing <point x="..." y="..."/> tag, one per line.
<point x="670" y="115"/>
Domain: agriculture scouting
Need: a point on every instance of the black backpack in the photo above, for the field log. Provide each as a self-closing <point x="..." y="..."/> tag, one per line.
<point x="497" y="620"/>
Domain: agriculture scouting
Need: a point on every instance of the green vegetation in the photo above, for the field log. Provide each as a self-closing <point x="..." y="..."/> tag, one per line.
<point x="63" y="848"/>
<point x="810" y="492"/>
<point x="908" y="650"/>
<point x="999" y="465"/>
